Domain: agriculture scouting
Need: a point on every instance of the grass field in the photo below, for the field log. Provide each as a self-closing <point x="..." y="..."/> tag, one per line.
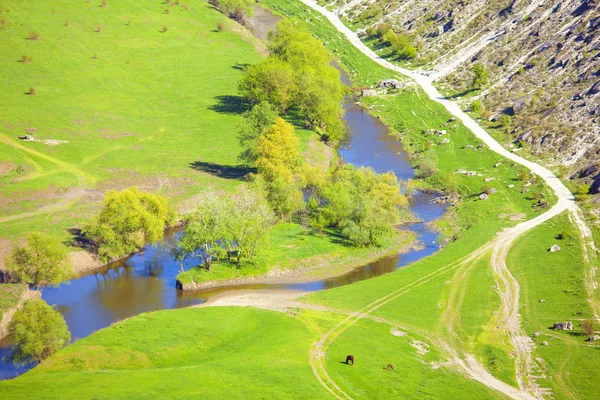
<point x="10" y="295"/>
<point x="137" y="106"/>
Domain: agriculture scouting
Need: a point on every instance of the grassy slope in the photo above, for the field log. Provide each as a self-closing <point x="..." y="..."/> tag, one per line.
<point x="291" y="247"/>
<point x="557" y="278"/>
<point x="148" y="107"/>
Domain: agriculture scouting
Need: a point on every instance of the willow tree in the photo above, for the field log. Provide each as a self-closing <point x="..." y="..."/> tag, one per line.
<point x="129" y="220"/>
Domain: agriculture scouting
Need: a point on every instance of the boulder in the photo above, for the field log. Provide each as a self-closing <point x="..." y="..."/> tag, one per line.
<point x="481" y="146"/>
<point x="563" y="326"/>
<point x="511" y="186"/>
<point x="489" y="179"/>
<point x="491" y="191"/>
<point x="595" y="89"/>
<point x="471" y="173"/>
<point x="461" y="171"/>
<point x="544" y="343"/>
<point x="391" y="84"/>
<point x="445" y="140"/>
<point x="483" y="196"/>
<point x="469" y="146"/>
<point x="593" y="338"/>
<point x="536" y="334"/>
<point x="554" y="248"/>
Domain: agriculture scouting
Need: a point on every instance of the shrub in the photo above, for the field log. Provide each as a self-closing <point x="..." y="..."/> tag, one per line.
<point x="26" y="59"/>
<point x="165" y="28"/>
<point x="95" y="56"/>
<point x="103" y="4"/>
<point x="66" y="23"/>
<point x="3" y="24"/>
<point x="31" y="91"/>
<point x="33" y="36"/>
<point x="167" y="11"/>
<point x="37" y="331"/>
<point x="98" y="29"/>
<point x="185" y="7"/>
<point x="220" y="27"/>
<point x="476" y="106"/>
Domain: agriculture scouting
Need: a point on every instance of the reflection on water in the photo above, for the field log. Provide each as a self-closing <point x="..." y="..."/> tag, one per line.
<point x="146" y="282"/>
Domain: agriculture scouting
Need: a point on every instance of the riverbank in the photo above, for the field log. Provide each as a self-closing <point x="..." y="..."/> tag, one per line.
<point x="12" y="297"/>
<point x="304" y="259"/>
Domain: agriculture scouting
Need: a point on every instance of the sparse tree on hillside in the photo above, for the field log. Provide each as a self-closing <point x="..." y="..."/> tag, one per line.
<point x="43" y="262"/>
<point x="589" y="326"/>
<point x="37" y="331"/>
<point x="480" y="76"/>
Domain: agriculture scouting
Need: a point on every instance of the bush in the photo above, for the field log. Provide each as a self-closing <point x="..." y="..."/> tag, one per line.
<point x="3" y="24"/>
<point x="26" y="59"/>
<point x="220" y="27"/>
<point x="165" y="28"/>
<point x="32" y="91"/>
<point x="33" y="36"/>
<point x="98" y="29"/>
<point x="476" y="106"/>
<point x="37" y="331"/>
<point x="103" y="4"/>
<point x="66" y="23"/>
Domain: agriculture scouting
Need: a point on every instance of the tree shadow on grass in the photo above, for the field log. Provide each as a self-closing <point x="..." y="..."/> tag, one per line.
<point x="461" y="94"/>
<point x="223" y="171"/>
<point x="240" y="67"/>
<point x="80" y="241"/>
<point x="230" y="105"/>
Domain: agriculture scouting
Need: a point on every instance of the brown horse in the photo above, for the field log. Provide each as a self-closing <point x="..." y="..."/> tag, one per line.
<point x="348" y="359"/>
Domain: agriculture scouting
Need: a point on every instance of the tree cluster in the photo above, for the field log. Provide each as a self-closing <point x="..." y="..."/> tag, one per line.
<point x="399" y="42"/>
<point x="239" y="10"/>
<point x="127" y="221"/>
<point x="364" y="206"/>
<point x="232" y="227"/>
<point x="298" y="76"/>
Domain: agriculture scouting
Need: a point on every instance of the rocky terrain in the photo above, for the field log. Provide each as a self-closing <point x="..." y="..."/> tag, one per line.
<point x="542" y="58"/>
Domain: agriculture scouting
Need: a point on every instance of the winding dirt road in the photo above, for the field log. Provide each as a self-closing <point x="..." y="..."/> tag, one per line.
<point x="501" y="244"/>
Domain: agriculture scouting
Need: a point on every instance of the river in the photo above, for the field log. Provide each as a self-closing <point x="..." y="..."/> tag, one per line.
<point x="146" y="281"/>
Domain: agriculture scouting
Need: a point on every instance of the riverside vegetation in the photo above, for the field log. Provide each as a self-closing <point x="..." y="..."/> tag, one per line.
<point x="412" y="316"/>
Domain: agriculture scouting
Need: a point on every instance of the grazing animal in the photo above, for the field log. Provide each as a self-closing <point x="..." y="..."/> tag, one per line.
<point x="348" y="359"/>
<point x="390" y="367"/>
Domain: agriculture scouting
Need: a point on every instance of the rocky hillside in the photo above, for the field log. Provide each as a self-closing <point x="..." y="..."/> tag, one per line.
<point x="542" y="58"/>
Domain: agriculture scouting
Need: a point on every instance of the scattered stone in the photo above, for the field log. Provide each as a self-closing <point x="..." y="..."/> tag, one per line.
<point x="471" y="173"/>
<point x="593" y="338"/>
<point x="563" y="326"/>
<point x="469" y="146"/>
<point x="452" y="119"/>
<point x="554" y="248"/>
<point x="518" y="217"/>
<point x="497" y="165"/>
<point x="422" y="347"/>
<point x="368" y="93"/>
<point x="544" y="343"/>
<point x="483" y="196"/>
<point x="491" y="191"/>
<point x="542" y="300"/>
<point x="489" y="179"/>
<point x="440" y="133"/>
<point x="511" y="186"/>
<point x="445" y="140"/>
<point x="481" y="146"/>
<point x="461" y="171"/>
<point x="536" y="334"/>
<point x="397" y="332"/>
<point x="391" y="84"/>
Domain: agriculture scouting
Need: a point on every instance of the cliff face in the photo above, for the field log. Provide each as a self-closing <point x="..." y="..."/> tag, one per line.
<point x="542" y="57"/>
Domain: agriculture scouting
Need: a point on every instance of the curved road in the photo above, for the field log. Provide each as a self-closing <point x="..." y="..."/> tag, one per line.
<point x="500" y="245"/>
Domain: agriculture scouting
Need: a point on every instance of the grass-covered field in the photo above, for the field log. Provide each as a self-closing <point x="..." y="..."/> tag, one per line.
<point x="291" y="247"/>
<point x="137" y="106"/>
<point x="10" y="295"/>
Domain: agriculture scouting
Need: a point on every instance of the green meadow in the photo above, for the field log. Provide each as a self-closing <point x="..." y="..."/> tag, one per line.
<point x="410" y="318"/>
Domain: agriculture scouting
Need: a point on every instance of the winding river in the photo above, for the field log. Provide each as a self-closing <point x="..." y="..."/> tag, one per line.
<point x="146" y="281"/>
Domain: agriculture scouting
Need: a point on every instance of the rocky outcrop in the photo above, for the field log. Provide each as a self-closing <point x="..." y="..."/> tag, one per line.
<point x="563" y="326"/>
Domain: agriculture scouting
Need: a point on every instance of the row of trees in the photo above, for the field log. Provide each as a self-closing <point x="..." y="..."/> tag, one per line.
<point x="298" y="76"/>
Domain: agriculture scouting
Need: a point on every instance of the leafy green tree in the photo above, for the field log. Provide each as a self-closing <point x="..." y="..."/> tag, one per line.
<point x="37" y="331"/>
<point x="480" y="76"/>
<point x="271" y="81"/>
<point x="43" y="262"/>
<point x="255" y="122"/>
<point x="127" y="221"/>
<point x="363" y="205"/>
<point x="401" y="45"/>
<point x="278" y="152"/>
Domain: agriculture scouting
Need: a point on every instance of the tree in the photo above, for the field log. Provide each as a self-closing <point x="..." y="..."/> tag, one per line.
<point x="43" y="262"/>
<point x="278" y="152"/>
<point x="237" y="9"/>
<point x="480" y="76"/>
<point x="271" y="81"/>
<point x="127" y="221"/>
<point x="255" y="122"/>
<point x="588" y="326"/>
<point x="37" y="331"/>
